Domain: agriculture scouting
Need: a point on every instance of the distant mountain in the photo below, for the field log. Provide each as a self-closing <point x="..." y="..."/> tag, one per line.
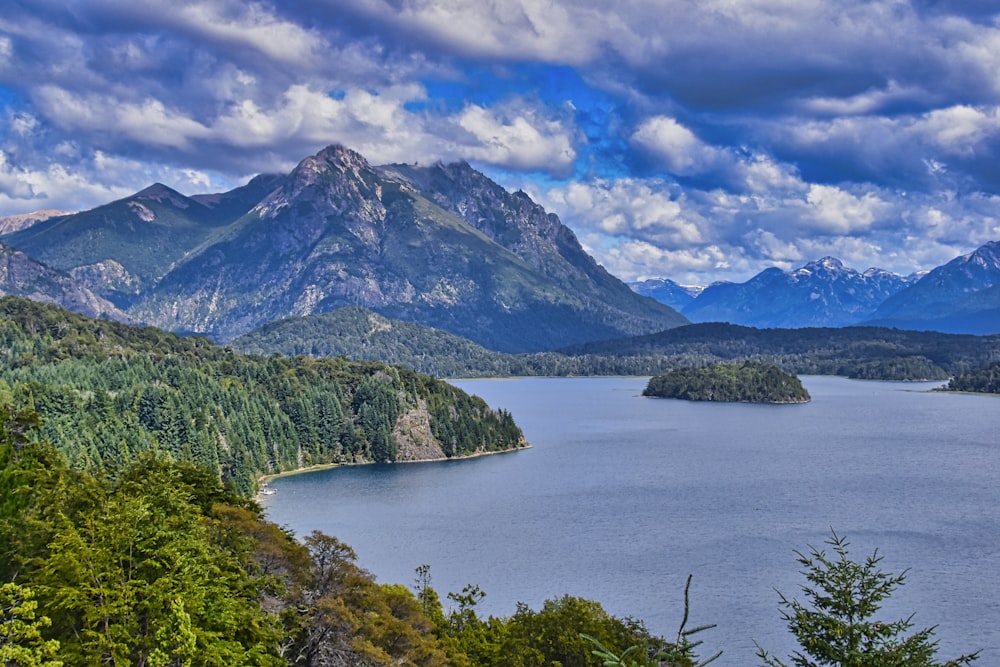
<point x="443" y="246"/>
<point x="120" y="249"/>
<point x="962" y="296"/>
<point x="15" y="223"/>
<point x="666" y="291"/>
<point x="821" y="293"/>
<point x="25" y="277"/>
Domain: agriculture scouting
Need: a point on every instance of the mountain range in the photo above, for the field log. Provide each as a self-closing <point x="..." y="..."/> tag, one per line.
<point x="962" y="296"/>
<point x="440" y="245"/>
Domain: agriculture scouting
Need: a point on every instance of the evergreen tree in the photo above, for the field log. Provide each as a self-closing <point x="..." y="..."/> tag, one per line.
<point x="836" y="626"/>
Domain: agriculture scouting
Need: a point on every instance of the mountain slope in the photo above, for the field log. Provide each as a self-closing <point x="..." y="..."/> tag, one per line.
<point x="25" y="277"/>
<point x="338" y="232"/>
<point x="821" y="293"/>
<point x="962" y="296"/>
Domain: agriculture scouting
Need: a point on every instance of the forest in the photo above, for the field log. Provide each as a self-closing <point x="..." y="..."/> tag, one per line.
<point x="871" y="353"/>
<point x="983" y="380"/>
<point x="107" y="393"/>
<point x="747" y="382"/>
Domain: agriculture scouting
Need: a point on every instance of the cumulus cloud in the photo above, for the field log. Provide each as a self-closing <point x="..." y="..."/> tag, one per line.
<point x="680" y="151"/>
<point x="519" y="141"/>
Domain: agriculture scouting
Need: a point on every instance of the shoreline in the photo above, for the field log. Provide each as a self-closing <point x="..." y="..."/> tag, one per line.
<point x="263" y="480"/>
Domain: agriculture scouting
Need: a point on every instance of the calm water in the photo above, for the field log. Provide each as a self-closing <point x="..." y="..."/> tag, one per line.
<point x="622" y="497"/>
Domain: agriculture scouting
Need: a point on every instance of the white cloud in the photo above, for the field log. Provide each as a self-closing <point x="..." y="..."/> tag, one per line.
<point x="832" y="210"/>
<point x="520" y="141"/>
<point x="680" y="151"/>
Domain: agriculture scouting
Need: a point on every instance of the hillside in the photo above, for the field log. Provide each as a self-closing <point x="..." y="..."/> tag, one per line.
<point x="860" y="352"/>
<point x="108" y="392"/>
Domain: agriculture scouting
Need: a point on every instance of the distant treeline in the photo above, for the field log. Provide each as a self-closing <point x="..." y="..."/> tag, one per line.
<point x="983" y="380"/>
<point x="108" y="392"/>
<point x="856" y="352"/>
<point x="747" y="382"/>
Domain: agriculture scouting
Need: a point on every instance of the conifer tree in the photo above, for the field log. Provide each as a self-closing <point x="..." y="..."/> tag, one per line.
<point x="836" y="626"/>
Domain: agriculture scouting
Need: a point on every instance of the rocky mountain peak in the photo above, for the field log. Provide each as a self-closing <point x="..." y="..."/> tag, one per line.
<point x="161" y="193"/>
<point x="335" y="180"/>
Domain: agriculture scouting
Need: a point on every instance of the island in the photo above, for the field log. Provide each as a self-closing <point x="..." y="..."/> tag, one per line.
<point x="747" y="382"/>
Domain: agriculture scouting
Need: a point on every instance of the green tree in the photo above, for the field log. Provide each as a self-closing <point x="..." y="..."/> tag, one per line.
<point x="679" y="654"/>
<point x="836" y="626"/>
<point x="21" y="641"/>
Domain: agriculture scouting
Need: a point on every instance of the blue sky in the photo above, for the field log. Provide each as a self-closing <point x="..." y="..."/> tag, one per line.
<point x="699" y="140"/>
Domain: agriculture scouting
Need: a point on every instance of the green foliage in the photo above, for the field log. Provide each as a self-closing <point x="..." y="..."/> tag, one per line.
<point x="983" y="380"/>
<point x="679" y="654"/>
<point x="21" y="641"/>
<point x="748" y="382"/>
<point x="836" y="625"/>
<point x="109" y="393"/>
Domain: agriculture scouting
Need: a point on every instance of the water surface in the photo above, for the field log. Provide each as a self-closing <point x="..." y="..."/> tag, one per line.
<point x="622" y="497"/>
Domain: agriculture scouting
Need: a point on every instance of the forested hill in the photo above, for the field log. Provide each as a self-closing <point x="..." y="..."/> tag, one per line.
<point x="861" y="352"/>
<point x="108" y="392"/>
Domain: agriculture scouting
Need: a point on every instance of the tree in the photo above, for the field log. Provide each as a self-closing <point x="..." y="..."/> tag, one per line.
<point x="679" y="654"/>
<point x="21" y="642"/>
<point x="837" y="627"/>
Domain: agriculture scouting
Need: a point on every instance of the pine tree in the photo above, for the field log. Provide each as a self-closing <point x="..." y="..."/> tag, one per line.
<point x="837" y="626"/>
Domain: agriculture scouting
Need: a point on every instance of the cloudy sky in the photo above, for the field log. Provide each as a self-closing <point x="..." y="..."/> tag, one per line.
<point x="699" y="140"/>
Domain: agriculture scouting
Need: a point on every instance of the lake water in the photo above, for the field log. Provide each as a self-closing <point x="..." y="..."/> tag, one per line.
<point x="622" y="497"/>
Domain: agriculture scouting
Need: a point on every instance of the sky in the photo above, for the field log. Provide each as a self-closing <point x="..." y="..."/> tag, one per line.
<point x="698" y="140"/>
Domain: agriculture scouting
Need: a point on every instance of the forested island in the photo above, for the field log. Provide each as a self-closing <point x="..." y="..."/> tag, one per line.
<point x="747" y="382"/>
<point x="107" y="392"/>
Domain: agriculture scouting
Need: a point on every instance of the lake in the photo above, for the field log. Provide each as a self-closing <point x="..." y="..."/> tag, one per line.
<point x="621" y="497"/>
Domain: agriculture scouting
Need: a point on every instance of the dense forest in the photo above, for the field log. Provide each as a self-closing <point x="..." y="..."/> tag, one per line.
<point x="108" y="392"/>
<point x="162" y="565"/>
<point x="983" y="380"/>
<point x="857" y="352"/>
<point x="747" y="382"/>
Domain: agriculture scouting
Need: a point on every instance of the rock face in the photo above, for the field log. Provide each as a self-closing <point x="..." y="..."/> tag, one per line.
<point x="823" y="293"/>
<point x="22" y="276"/>
<point x="442" y="245"/>
<point x="962" y="296"/>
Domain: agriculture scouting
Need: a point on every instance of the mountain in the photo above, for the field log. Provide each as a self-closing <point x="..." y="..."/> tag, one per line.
<point x="15" y="223"/>
<point x="443" y="246"/>
<point x="25" y="277"/>
<point x="962" y="296"/>
<point x="821" y="293"/>
<point x="666" y="291"/>
<point x="123" y="248"/>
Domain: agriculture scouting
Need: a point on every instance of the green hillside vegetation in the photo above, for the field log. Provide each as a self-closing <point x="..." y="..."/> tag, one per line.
<point x="857" y="352"/>
<point x="162" y="565"/>
<point x="983" y="380"/>
<point x="108" y="393"/>
<point x="747" y="382"/>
